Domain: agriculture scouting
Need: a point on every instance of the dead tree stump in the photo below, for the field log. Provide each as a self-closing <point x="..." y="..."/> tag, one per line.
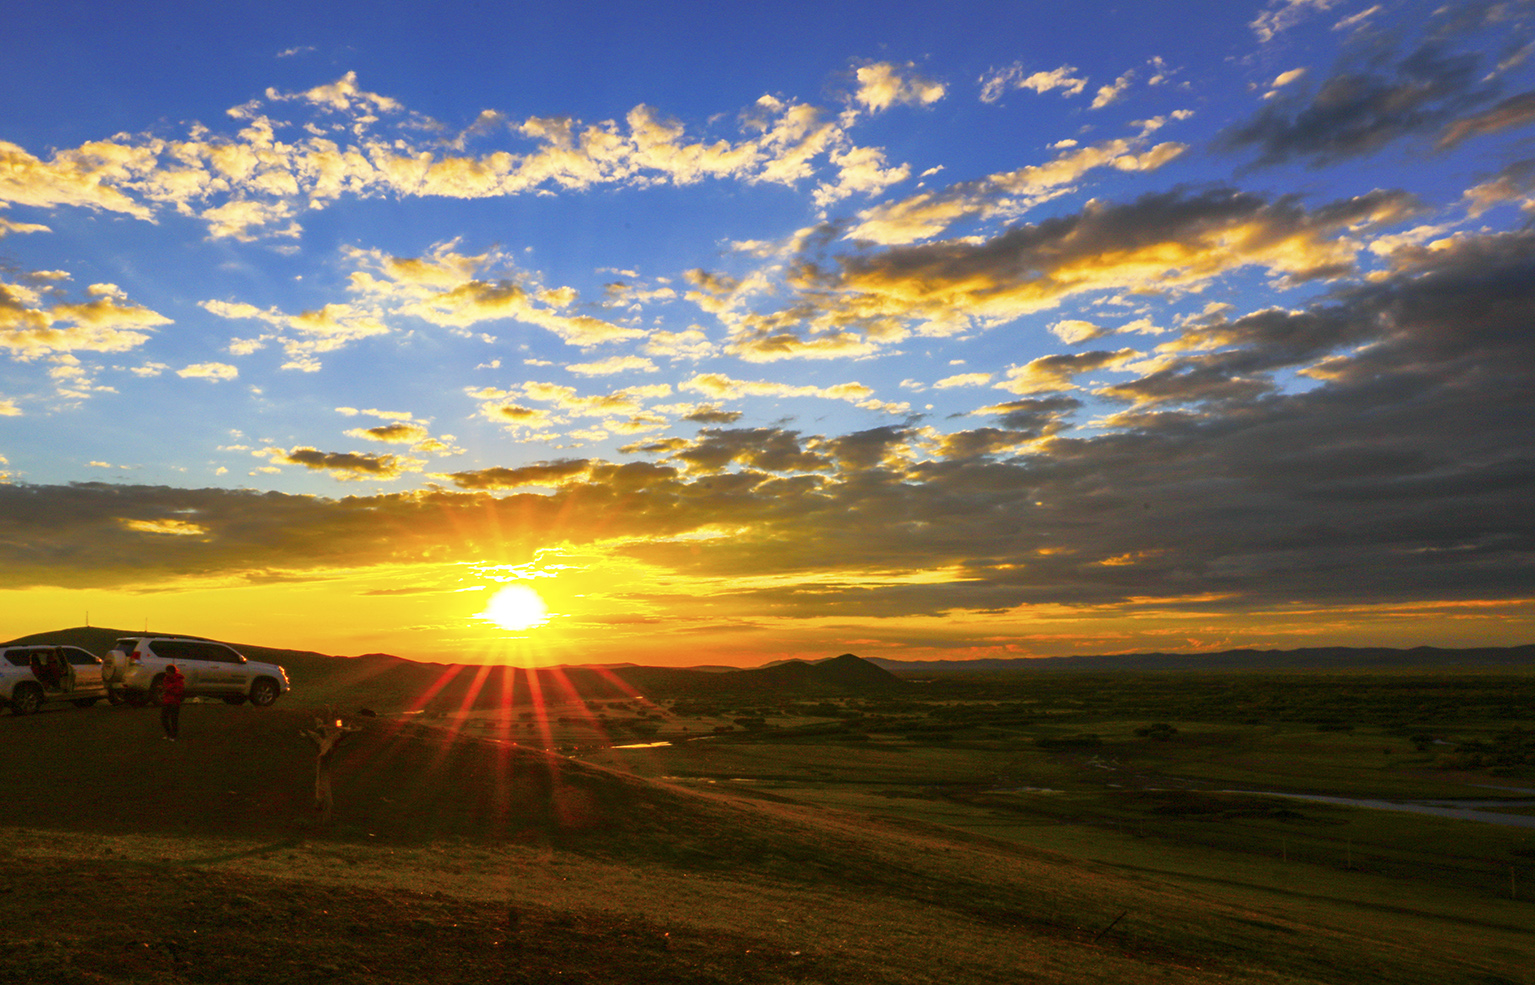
<point x="326" y="736"/>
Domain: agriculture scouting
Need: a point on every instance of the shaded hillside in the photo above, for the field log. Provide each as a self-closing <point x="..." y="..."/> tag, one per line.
<point x="1312" y="658"/>
<point x="249" y="772"/>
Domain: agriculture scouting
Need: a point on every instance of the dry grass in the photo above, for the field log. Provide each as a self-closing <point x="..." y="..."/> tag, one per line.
<point x="457" y="859"/>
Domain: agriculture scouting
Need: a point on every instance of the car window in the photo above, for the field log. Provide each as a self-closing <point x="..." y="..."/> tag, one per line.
<point x="170" y="649"/>
<point x="217" y="653"/>
<point x="79" y="657"/>
<point x="18" y="657"/>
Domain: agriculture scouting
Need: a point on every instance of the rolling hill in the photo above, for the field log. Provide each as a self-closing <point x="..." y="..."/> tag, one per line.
<point x="385" y="682"/>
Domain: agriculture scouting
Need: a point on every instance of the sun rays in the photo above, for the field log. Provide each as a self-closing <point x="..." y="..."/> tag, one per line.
<point x="516" y="607"/>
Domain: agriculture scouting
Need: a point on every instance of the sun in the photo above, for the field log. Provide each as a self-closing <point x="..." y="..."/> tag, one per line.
<point x="516" y="607"/>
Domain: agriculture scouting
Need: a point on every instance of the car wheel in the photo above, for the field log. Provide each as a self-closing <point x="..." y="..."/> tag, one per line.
<point x="85" y="702"/>
<point x="136" y="699"/>
<point x="263" y="692"/>
<point x="26" y="699"/>
<point x="115" y="696"/>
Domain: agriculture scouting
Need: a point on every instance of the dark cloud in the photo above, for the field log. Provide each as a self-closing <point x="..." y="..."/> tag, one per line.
<point x="713" y="415"/>
<point x="1515" y="111"/>
<point x="1516" y="181"/>
<point x="398" y="433"/>
<point x="1035" y="416"/>
<point x="765" y="448"/>
<point x="1357" y="112"/>
<point x="540" y="474"/>
<point x="345" y="463"/>
<point x="866" y="449"/>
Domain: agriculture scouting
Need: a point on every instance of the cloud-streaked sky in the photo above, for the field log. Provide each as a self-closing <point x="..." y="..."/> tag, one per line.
<point x="919" y="331"/>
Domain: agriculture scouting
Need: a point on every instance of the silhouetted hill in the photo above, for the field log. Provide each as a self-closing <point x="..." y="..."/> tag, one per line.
<point x="1310" y="658"/>
<point x="382" y="681"/>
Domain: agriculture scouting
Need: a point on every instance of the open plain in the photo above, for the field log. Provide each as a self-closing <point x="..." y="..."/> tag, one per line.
<point x="1071" y="827"/>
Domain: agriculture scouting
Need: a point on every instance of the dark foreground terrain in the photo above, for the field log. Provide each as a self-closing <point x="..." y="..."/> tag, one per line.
<point x="1070" y="830"/>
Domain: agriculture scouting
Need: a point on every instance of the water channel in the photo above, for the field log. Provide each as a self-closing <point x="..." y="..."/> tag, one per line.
<point x="1465" y="810"/>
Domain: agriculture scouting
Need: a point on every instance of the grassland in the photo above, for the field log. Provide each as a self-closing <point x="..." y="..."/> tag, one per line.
<point x="1056" y="828"/>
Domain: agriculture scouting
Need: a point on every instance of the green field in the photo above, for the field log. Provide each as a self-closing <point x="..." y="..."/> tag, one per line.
<point x="1041" y="828"/>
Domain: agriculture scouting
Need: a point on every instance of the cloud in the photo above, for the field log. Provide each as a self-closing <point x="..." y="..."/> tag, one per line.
<point x="768" y="449"/>
<point x="36" y="322"/>
<point x="209" y="371"/>
<point x="1004" y="194"/>
<point x="612" y="366"/>
<point x="1515" y="111"/>
<point x="245" y="220"/>
<point x="541" y="474"/>
<point x="7" y="227"/>
<point x="1282" y="15"/>
<point x="963" y="379"/>
<point x="343" y="95"/>
<point x="721" y="387"/>
<point x="396" y="433"/>
<point x="1113" y="92"/>
<point x="346" y="466"/>
<point x="882" y="85"/>
<point x="451" y="289"/>
<point x="1074" y="330"/>
<point x="1050" y="373"/>
<point x="620" y="411"/>
<point x="259" y="182"/>
<point x="1158" y="243"/>
<point x="1515" y="183"/>
<point x="998" y="82"/>
<point x="84" y="177"/>
<point x="861" y="171"/>
<point x="1354" y="113"/>
<point x="304" y="337"/>
<point x="164" y="526"/>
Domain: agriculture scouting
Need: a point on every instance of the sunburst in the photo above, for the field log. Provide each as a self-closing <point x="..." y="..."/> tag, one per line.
<point x="516" y="607"/>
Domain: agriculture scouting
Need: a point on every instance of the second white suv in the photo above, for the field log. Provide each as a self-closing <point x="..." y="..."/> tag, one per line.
<point x="135" y="669"/>
<point x="33" y="675"/>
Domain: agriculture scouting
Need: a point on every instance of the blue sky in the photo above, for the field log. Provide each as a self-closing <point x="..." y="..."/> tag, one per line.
<point x="1001" y="328"/>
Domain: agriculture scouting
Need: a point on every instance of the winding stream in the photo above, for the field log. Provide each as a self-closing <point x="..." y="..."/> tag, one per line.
<point x="1465" y="810"/>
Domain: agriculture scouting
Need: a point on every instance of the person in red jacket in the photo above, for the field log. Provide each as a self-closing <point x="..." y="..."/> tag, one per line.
<point x="172" y="688"/>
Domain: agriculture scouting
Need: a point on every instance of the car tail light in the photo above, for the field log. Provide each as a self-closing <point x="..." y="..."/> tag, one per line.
<point x="135" y="657"/>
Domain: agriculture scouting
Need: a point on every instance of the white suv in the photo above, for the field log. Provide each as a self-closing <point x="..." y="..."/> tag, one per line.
<point x="37" y="673"/>
<point x="135" y="669"/>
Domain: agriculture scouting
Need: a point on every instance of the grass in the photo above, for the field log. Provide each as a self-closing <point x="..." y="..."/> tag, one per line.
<point x="869" y="841"/>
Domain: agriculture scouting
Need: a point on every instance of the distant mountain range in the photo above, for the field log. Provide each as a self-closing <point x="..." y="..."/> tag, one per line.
<point x="388" y="682"/>
<point x="1310" y="658"/>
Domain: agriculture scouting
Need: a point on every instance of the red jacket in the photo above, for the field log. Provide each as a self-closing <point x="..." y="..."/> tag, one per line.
<point x="174" y="685"/>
